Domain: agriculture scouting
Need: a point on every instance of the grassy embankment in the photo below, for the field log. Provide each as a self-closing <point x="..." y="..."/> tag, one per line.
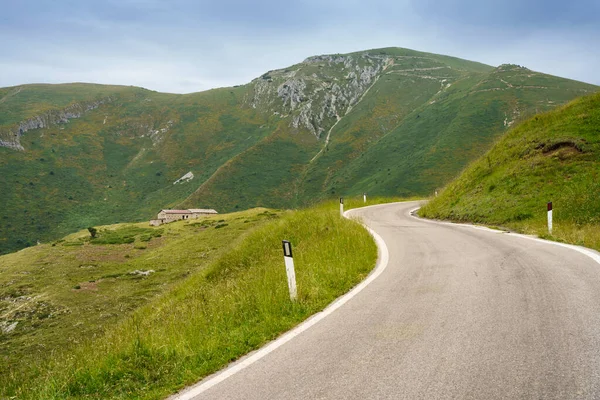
<point x="551" y="157"/>
<point x="207" y="314"/>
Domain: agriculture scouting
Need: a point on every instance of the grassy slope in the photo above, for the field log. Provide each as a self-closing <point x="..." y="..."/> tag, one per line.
<point x="62" y="292"/>
<point x="105" y="168"/>
<point x="20" y="102"/>
<point x="215" y="307"/>
<point x="409" y="134"/>
<point x="434" y="142"/>
<point x="551" y="157"/>
<point x="266" y="174"/>
<point x="453" y="62"/>
<point x="388" y="102"/>
<point x="385" y="107"/>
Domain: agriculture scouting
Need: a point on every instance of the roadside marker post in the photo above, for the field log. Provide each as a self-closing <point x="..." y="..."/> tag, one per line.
<point x="550" y="218"/>
<point x="342" y="206"/>
<point x="436" y="193"/>
<point x="364" y="197"/>
<point x="289" y="268"/>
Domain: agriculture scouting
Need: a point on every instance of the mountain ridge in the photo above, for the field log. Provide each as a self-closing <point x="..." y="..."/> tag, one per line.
<point x="386" y="121"/>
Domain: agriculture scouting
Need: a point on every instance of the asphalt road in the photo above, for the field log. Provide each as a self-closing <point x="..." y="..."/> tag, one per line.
<point x="459" y="313"/>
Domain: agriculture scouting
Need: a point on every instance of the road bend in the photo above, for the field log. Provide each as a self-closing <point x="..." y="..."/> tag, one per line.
<point x="459" y="313"/>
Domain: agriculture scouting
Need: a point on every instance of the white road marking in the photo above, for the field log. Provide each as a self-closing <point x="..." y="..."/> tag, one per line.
<point x="583" y="250"/>
<point x="209" y="382"/>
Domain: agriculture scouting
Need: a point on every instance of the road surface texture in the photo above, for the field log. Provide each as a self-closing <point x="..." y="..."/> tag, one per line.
<point x="459" y="313"/>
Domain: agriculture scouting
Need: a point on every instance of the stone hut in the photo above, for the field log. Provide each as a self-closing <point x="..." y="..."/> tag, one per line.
<point x="197" y="212"/>
<point x="166" y="216"/>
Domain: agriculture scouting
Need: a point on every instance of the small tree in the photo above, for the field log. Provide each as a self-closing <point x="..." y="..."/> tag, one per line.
<point x="93" y="231"/>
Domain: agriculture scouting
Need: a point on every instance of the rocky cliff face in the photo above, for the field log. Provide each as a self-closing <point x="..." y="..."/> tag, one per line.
<point x="11" y="137"/>
<point x="317" y="92"/>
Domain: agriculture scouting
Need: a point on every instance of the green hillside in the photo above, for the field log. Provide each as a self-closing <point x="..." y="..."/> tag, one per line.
<point x="91" y="284"/>
<point x="551" y="157"/>
<point x="117" y="162"/>
<point x="419" y="122"/>
<point x="386" y="121"/>
<point x="433" y="142"/>
<point x="140" y="312"/>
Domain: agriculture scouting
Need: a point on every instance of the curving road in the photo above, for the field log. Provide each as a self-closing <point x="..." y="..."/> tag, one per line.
<point x="459" y="313"/>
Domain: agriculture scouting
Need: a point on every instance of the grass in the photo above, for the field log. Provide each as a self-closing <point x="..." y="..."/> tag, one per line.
<point x="224" y="308"/>
<point x="126" y="234"/>
<point x="551" y="157"/>
<point x="37" y="284"/>
<point x="411" y="134"/>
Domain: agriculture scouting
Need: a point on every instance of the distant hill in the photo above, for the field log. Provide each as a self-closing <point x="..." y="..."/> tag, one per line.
<point x="387" y="122"/>
<point x="551" y="157"/>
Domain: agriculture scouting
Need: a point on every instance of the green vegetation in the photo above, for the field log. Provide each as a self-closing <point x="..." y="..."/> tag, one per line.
<point x="117" y="162"/>
<point x="126" y="234"/>
<point x="78" y="287"/>
<point x="434" y="136"/>
<point x="551" y="157"/>
<point x="30" y="100"/>
<point x="417" y="123"/>
<point x="116" y="330"/>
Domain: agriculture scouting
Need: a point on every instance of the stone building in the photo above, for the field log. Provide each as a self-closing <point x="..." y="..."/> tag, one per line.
<point x="166" y="216"/>
<point x="197" y="212"/>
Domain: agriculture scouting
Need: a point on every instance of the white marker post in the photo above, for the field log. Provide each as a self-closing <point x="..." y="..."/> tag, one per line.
<point x="436" y="193"/>
<point x="289" y="268"/>
<point x="550" y="218"/>
<point x="364" y="197"/>
<point x="342" y="206"/>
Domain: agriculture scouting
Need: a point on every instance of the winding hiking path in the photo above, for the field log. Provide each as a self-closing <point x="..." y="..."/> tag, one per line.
<point x="459" y="313"/>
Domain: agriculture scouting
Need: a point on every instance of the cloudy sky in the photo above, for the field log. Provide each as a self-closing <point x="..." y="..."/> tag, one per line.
<point x="184" y="46"/>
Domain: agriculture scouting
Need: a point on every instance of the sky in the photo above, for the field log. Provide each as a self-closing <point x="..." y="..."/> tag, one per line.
<point x="184" y="46"/>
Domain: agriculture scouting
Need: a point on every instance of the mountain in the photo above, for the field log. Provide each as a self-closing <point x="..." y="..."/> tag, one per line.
<point x="387" y="122"/>
<point x="552" y="157"/>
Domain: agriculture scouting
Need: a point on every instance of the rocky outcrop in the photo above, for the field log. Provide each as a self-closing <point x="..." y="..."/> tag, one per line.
<point x="15" y="145"/>
<point x="11" y="137"/>
<point x="291" y="92"/>
<point x="156" y="135"/>
<point x="185" y="178"/>
<point x="317" y="92"/>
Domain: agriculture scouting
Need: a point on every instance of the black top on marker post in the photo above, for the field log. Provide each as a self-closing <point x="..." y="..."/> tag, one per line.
<point x="287" y="248"/>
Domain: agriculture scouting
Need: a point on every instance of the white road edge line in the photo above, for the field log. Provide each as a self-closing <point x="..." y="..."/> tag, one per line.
<point x="218" y="377"/>
<point x="583" y="250"/>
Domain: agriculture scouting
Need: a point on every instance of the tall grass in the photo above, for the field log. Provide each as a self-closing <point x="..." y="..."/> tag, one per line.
<point x="551" y="157"/>
<point x="235" y="305"/>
